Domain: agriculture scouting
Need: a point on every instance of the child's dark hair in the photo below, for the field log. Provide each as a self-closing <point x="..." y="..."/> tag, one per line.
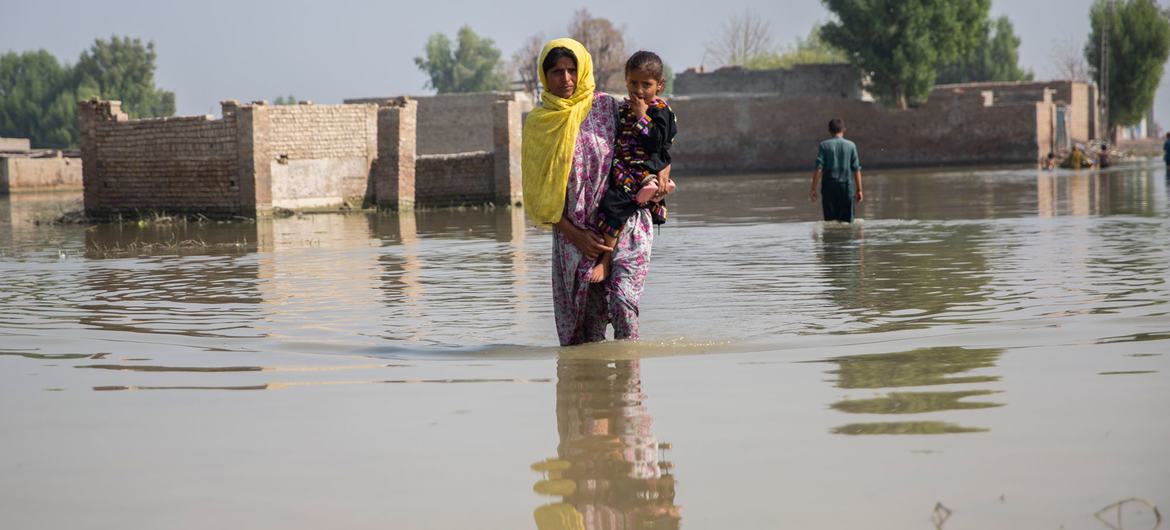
<point x="646" y="62"/>
<point x="554" y="54"/>
<point x="836" y="125"/>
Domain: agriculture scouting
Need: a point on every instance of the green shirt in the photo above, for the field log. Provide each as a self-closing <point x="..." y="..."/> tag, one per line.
<point x="837" y="158"/>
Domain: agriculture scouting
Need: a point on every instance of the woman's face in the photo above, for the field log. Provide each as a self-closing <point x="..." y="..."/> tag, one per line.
<point x="562" y="78"/>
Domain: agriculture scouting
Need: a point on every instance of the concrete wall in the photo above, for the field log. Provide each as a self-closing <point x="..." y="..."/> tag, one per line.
<point x="321" y="154"/>
<point x="768" y="133"/>
<point x="824" y="80"/>
<point x="20" y="173"/>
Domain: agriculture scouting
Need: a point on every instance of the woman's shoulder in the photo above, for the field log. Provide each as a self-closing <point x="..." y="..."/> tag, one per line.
<point x="604" y="99"/>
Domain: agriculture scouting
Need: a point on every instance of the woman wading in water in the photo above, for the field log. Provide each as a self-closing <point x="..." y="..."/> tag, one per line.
<point x="567" y="152"/>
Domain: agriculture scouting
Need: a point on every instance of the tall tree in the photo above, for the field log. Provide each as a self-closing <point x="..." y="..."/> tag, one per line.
<point x="901" y="44"/>
<point x="1138" y="43"/>
<point x="474" y="65"/>
<point x="996" y="58"/>
<point x="37" y="99"/>
<point x="606" y="43"/>
<point x="744" y="38"/>
<point x="123" y="68"/>
<point x="38" y="95"/>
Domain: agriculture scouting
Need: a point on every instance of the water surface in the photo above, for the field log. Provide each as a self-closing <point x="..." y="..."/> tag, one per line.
<point x="990" y="340"/>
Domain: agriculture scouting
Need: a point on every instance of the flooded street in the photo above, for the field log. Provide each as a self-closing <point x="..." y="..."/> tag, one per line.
<point x="989" y="348"/>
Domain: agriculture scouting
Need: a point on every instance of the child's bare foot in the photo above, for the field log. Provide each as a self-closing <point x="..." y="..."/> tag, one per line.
<point x="647" y="193"/>
<point x="600" y="271"/>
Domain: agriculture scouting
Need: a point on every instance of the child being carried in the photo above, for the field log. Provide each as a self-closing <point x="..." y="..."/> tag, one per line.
<point x="646" y="130"/>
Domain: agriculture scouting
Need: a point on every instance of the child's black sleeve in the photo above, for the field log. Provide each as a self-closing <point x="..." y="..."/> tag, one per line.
<point x="659" y="137"/>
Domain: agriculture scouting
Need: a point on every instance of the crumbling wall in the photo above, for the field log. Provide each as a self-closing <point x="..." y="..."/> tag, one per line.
<point x="768" y="133"/>
<point x="182" y="164"/>
<point x="824" y="80"/>
<point x="1081" y="99"/>
<point x="22" y="173"/>
<point x="461" y="178"/>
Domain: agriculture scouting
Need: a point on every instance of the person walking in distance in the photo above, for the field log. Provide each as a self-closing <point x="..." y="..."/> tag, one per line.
<point x="838" y="175"/>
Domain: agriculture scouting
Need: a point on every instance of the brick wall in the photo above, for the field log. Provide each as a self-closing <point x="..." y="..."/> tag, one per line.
<point x="321" y="154"/>
<point x="183" y="164"/>
<point x="19" y="173"/>
<point x="1081" y="99"/>
<point x="828" y="80"/>
<point x="463" y="178"/>
<point x="767" y="133"/>
<point x="260" y="157"/>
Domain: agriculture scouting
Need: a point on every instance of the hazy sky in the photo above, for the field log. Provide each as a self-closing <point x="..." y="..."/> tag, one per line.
<point x="329" y="50"/>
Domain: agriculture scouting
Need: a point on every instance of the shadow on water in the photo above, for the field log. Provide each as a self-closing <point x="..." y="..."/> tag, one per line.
<point x="609" y="471"/>
<point x="916" y="368"/>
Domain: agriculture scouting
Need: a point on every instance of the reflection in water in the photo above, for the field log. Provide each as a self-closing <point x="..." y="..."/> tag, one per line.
<point x="905" y="279"/>
<point x="608" y="470"/>
<point x="921" y="367"/>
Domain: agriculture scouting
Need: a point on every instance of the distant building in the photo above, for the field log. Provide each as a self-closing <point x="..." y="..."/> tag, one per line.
<point x="23" y="168"/>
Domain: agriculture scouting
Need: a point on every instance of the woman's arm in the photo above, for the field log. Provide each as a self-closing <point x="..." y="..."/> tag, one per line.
<point x="590" y="244"/>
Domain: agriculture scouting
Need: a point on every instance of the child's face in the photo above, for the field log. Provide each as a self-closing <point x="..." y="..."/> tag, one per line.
<point x="642" y="85"/>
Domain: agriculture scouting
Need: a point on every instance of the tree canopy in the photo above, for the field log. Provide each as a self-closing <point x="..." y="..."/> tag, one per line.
<point x="810" y="50"/>
<point x="123" y="69"/>
<point x="996" y="58"/>
<point x="39" y="95"/>
<point x="901" y="44"/>
<point x="743" y="38"/>
<point x="473" y="65"/>
<point x="607" y="44"/>
<point x="1138" y="42"/>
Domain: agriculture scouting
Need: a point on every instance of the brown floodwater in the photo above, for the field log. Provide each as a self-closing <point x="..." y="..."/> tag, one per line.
<point x="987" y="348"/>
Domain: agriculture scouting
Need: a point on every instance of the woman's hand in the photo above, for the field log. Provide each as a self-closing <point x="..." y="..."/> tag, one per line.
<point x="590" y="244"/>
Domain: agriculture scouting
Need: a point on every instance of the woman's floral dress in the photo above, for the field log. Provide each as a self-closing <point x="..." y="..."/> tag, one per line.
<point x="582" y="309"/>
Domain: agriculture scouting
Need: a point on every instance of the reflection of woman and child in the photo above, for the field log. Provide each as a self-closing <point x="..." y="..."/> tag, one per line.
<point x="608" y="471"/>
<point x="596" y="169"/>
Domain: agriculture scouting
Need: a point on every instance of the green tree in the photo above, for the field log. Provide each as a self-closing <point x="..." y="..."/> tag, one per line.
<point x="123" y="69"/>
<point x="1138" y="42"/>
<point x="38" y="95"/>
<point x="811" y="50"/>
<point x="995" y="59"/>
<point x="474" y="65"/>
<point x="900" y="44"/>
<point x="37" y="100"/>
<point x="285" y="100"/>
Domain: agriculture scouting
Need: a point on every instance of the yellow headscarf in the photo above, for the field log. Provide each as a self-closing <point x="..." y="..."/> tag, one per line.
<point x="550" y="134"/>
